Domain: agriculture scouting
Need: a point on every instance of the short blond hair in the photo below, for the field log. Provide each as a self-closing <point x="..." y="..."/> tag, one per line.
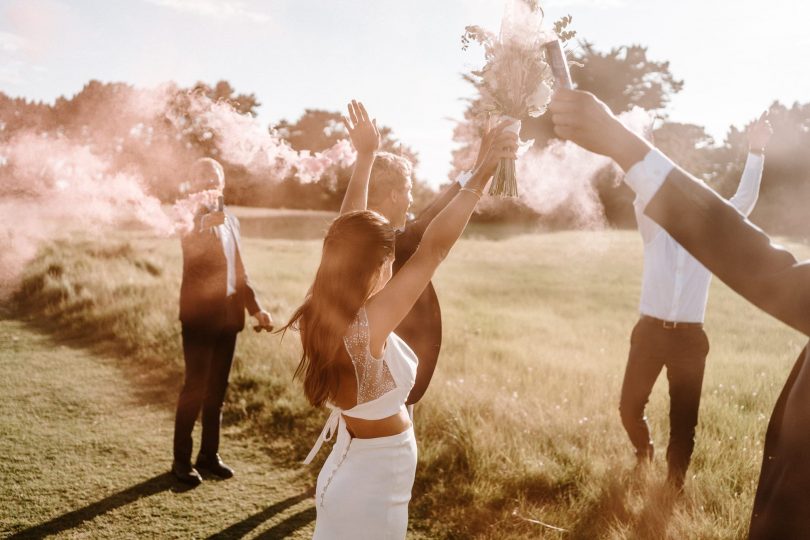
<point x="197" y="174"/>
<point x="388" y="173"/>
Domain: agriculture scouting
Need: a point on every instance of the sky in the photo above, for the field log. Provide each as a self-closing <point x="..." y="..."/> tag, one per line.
<point x="403" y="58"/>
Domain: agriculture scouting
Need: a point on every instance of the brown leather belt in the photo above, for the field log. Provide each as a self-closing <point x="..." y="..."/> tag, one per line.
<point x="671" y="325"/>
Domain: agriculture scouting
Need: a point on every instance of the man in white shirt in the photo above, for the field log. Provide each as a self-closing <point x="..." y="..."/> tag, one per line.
<point x="743" y="257"/>
<point x="669" y="333"/>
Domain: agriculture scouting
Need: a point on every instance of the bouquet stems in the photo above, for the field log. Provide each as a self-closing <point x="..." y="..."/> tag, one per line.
<point x="504" y="182"/>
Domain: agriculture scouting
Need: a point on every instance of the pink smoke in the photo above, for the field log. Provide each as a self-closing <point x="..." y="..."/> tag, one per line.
<point x="50" y="186"/>
<point x="54" y="183"/>
<point x="562" y="175"/>
<point x="186" y="208"/>
<point x="242" y="140"/>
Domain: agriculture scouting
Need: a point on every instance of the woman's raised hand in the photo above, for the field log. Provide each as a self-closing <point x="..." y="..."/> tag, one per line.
<point x="363" y="132"/>
<point x="496" y="144"/>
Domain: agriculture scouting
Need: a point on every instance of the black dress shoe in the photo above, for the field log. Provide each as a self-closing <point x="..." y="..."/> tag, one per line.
<point x="214" y="465"/>
<point x="186" y="473"/>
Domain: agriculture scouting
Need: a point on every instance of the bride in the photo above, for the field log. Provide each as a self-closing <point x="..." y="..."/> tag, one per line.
<point x="352" y="361"/>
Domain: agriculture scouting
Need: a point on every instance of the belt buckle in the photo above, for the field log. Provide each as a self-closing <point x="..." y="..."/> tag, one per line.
<point x="670" y="325"/>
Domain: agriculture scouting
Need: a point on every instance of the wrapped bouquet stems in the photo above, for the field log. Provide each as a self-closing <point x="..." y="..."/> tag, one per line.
<point x="504" y="181"/>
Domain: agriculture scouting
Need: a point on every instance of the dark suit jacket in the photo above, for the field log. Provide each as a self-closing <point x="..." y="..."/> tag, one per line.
<point x="742" y="256"/>
<point x="203" y="301"/>
<point x="422" y="327"/>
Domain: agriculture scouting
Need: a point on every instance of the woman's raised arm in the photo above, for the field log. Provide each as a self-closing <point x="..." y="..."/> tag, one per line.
<point x="365" y="138"/>
<point x="388" y="307"/>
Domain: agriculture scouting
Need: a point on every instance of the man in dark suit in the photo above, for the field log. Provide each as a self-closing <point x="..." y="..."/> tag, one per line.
<point x="742" y="256"/>
<point x="390" y="195"/>
<point x="214" y="294"/>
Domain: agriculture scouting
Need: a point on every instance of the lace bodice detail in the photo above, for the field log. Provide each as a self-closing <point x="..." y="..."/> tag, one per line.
<point x="374" y="378"/>
<point x="383" y="384"/>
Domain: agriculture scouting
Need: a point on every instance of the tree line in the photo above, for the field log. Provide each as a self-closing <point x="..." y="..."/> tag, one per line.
<point x="107" y="118"/>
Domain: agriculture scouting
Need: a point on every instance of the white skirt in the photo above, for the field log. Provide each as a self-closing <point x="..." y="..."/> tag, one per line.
<point x="365" y="486"/>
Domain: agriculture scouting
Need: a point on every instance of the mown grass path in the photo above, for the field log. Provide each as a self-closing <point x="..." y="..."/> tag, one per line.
<point x="84" y="453"/>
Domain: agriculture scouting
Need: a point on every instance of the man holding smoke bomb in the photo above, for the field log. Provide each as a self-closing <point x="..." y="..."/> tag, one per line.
<point x="214" y="294"/>
<point x="716" y="234"/>
<point x="674" y="294"/>
<point x="669" y="333"/>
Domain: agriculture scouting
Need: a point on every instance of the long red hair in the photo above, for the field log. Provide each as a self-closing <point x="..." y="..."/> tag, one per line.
<point x="354" y="250"/>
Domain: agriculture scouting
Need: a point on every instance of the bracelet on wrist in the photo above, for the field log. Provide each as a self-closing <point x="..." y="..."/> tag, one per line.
<point x="475" y="192"/>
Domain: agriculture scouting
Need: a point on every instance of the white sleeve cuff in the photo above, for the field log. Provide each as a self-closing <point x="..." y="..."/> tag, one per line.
<point x="648" y="175"/>
<point x="755" y="160"/>
<point x="464" y="177"/>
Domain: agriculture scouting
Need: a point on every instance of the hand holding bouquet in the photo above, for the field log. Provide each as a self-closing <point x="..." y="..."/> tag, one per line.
<point x="516" y="80"/>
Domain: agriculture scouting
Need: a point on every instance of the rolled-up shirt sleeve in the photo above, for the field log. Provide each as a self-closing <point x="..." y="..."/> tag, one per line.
<point x="647" y="176"/>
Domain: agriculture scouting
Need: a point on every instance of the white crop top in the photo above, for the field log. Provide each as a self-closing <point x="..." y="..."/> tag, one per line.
<point x="383" y="384"/>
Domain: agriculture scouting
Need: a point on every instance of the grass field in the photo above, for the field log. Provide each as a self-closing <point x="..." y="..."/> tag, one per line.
<point x="85" y="456"/>
<point x="519" y="433"/>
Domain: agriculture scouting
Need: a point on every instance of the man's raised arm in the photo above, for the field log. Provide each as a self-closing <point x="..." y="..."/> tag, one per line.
<point x="709" y="227"/>
<point x="747" y="193"/>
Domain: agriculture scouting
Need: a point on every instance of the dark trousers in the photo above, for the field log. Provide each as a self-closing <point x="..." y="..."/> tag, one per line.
<point x="208" y="355"/>
<point x="683" y="352"/>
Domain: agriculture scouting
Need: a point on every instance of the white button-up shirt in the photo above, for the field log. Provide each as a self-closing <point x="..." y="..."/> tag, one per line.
<point x="675" y="286"/>
<point x="229" y="247"/>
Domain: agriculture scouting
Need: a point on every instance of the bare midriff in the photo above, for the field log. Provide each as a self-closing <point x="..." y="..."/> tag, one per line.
<point x="371" y="429"/>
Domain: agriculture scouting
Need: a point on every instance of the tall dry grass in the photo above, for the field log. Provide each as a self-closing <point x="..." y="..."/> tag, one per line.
<point x="519" y="433"/>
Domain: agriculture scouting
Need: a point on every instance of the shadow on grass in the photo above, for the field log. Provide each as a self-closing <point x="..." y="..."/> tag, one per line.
<point x="611" y="507"/>
<point x="653" y="519"/>
<point x="292" y="523"/>
<point x="608" y="507"/>
<point x="289" y="525"/>
<point x="147" y="488"/>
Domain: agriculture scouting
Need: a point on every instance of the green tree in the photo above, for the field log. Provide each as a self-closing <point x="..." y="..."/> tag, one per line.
<point x="223" y="91"/>
<point x="317" y="130"/>
<point x="786" y="178"/>
<point x="689" y="146"/>
<point x="624" y="77"/>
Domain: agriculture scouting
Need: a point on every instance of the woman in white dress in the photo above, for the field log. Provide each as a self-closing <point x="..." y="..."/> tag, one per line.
<point x="352" y="361"/>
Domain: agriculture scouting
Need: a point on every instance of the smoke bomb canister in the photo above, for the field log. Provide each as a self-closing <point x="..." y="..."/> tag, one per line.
<point x="558" y="63"/>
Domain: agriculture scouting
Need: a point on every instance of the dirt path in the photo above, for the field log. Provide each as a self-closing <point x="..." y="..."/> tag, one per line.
<point x="83" y="455"/>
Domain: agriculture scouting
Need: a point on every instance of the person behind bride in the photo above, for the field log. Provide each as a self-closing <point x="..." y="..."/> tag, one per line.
<point x="352" y="360"/>
<point x="389" y="194"/>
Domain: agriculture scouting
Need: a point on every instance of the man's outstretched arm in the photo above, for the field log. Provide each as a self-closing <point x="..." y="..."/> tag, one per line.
<point x="708" y="226"/>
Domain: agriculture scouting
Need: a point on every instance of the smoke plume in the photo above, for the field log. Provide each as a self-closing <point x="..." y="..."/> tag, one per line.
<point x="127" y="157"/>
<point x="562" y="175"/>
